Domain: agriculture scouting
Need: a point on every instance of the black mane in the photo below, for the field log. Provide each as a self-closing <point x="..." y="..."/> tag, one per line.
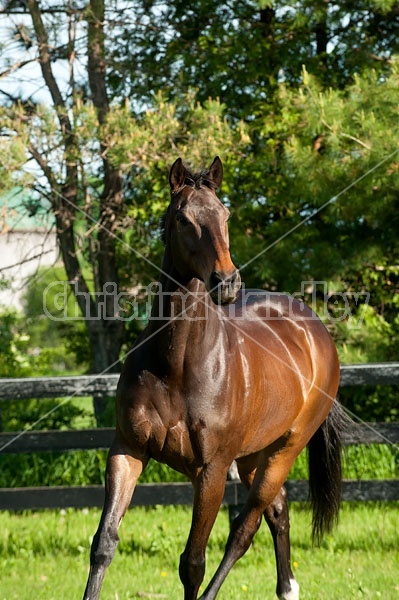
<point x="162" y="227"/>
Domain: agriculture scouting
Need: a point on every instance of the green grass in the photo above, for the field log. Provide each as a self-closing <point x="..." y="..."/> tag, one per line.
<point x="44" y="555"/>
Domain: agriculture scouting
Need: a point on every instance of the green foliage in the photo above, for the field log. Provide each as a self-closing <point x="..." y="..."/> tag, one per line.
<point x="22" y="353"/>
<point x="52" y="468"/>
<point x="20" y="415"/>
<point x="70" y="469"/>
<point x="240" y="51"/>
<point x="157" y="473"/>
<point x="54" y="315"/>
<point x="88" y="467"/>
<point x="321" y="200"/>
<point x="12" y="346"/>
<point x="379" y="403"/>
<point x="375" y="461"/>
<point x="34" y="343"/>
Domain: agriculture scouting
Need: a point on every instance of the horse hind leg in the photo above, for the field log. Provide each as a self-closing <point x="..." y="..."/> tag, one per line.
<point x="277" y="518"/>
<point x="271" y="472"/>
<point x="242" y="531"/>
<point x="121" y="476"/>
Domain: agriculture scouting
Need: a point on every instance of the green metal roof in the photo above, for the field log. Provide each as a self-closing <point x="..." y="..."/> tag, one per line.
<point x="21" y="210"/>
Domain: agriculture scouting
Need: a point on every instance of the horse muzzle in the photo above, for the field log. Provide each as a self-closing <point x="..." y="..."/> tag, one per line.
<point x="224" y="287"/>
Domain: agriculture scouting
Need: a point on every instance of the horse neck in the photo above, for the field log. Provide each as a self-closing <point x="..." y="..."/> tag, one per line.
<point x="182" y="309"/>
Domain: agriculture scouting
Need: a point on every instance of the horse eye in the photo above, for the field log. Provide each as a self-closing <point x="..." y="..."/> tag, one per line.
<point x="182" y="220"/>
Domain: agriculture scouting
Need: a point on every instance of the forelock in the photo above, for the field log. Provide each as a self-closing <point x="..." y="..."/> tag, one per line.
<point x="197" y="180"/>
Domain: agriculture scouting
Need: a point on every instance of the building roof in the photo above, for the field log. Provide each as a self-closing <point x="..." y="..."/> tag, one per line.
<point x="20" y="211"/>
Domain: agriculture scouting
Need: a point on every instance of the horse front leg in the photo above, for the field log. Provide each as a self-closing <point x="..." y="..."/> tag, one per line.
<point x="208" y="495"/>
<point x="121" y="476"/>
<point x="277" y="518"/>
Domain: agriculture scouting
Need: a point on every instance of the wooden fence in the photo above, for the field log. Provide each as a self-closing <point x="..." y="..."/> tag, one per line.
<point x="166" y="493"/>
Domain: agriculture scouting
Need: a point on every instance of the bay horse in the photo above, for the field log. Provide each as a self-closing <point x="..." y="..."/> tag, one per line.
<point x="222" y="374"/>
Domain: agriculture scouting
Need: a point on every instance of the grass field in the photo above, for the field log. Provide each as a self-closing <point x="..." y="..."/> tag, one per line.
<point x="44" y="556"/>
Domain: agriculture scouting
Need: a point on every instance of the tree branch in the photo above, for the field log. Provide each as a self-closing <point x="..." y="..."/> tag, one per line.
<point x="111" y="200"/>
<point x="96" y="58"/>
<point x="43" y="164"/>
<point x="64" y="202"/>
<point x="45" y="63"/>
<point x="17" y="66"/>
<point x="26" y="260"/>
<point x="347" y="135"/>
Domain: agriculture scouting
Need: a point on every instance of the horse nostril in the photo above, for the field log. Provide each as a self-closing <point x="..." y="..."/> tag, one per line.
<point x="235" y="277"/>
<point x="215" y="279"/>
<point x="224" y="287"/>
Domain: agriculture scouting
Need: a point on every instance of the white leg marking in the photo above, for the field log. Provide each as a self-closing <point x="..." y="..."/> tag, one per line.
<point x="293" y="594"/>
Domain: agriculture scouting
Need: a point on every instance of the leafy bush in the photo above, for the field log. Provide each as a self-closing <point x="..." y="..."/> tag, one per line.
<point x="376" y="461"/>
<point x="372" y="403"/>
<point x="88" y="467"/>
<point x="52" y="468"/>
<point x="19" y="415"/>
<point x="69" y="468"/>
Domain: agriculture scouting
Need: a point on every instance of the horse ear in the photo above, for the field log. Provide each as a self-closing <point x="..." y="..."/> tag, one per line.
<point x="177" y="175"/>
<point x="216" y="172"/>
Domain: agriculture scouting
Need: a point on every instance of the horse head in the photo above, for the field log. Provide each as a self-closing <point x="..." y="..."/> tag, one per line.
<point x="196" y="231"/>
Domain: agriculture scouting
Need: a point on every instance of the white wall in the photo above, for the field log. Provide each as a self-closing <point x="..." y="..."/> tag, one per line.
<point x="21" y="254"/>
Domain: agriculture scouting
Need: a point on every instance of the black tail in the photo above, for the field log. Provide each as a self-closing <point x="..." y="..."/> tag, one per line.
<point x="325" y="471"/>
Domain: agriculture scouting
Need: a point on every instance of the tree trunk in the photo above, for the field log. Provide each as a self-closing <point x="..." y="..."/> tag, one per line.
<point x="321" y="33"/>
<point x="105" y="333"/>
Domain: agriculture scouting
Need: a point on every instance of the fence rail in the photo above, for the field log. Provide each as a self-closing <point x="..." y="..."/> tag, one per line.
<point x="101" y="438"/>
<point x="87" y="385"/>
<point x="166" y="493"/>
<point x="150" y="494"/>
